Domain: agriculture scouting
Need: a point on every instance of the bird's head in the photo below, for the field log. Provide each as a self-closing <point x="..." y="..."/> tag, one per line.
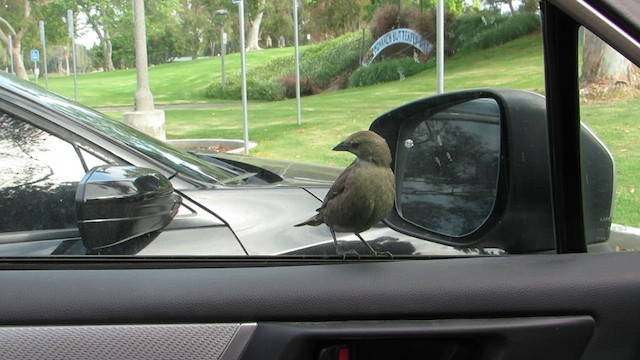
<point x="367" y="146"/>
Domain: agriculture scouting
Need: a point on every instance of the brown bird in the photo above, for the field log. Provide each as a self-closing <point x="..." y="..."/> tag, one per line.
<point x="363" y="194"/>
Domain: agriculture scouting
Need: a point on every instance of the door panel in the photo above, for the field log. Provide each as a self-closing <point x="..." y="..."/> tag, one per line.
<point x="184" y="341"/>
<point x="574" y="287"/>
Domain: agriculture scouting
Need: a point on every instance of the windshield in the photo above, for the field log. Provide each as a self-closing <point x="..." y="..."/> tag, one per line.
<point x="160" y="151"/>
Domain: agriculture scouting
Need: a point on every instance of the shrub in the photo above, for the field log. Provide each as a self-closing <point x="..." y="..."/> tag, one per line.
<point x="385" y="71"/>
<point x="385" y="19"/>
<point x="307" y="87"/>
<point x="484" y="30"/>
<point x="319" y="65"/>
<point x="330" y="59"/>
<point x="258" y="88"/>
<point x="389" y="17"/>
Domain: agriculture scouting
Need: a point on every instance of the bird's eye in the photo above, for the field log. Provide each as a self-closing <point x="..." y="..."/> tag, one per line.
<point x="355" y="144"/>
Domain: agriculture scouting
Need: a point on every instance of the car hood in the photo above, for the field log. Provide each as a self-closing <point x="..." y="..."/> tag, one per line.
<point x="289" y="172"/>
<point x="262" y="217"/>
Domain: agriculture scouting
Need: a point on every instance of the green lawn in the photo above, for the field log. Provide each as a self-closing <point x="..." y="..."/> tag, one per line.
<point x="618" y="127"/>
<point x="331" y="116"/>
<point x="173" y="83"/>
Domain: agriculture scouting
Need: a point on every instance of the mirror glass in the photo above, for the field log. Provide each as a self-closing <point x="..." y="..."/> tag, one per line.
<point x="447" y="166"/>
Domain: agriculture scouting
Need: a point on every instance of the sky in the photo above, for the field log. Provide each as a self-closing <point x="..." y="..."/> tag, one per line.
<point x="88" y="40"/>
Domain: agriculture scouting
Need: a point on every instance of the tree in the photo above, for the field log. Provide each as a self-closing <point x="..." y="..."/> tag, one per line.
<point x="602" y="65"/>
<point x="496" y="5"/>
<point x="17" y="21"/>
<point x="102" y="16"/>
<point x="194" y="22"/>
<point x="165" y="32"/>
<point x="529" y="6"/>
<point x="335" y="17"/>
<point x="255" y="22"/>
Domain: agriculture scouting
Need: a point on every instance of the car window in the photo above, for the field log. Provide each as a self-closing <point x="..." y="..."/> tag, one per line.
<point x="179" y="161"/>
<point x="468" y="145"/>
<point x="609" y="103"/>
<point x="38" y="178"/>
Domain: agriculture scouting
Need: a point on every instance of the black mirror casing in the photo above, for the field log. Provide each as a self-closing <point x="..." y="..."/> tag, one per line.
<point x="520" y="219"/>
<point x="119" y="203"/>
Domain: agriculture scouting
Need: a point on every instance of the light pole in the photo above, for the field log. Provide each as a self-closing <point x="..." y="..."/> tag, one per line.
<point x="440" y="46"/>
<point x="297" y="55"/>
<point x="243" y="70"/>
<point x="221" y="15"/>
<point x="72" y="36"/>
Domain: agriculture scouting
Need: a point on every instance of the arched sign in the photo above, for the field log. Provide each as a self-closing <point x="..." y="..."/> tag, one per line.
<point x="395" y="36"/>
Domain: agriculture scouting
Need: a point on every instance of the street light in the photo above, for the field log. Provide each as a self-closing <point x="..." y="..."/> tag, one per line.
<point x="221" y="15"/>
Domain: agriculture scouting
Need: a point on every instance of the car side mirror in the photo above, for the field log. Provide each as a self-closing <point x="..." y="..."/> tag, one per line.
<point x="472" y="169"/>
<point x="119" y="203"/>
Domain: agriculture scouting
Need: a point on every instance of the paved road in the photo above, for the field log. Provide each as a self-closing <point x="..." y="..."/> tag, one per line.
<point x="172" y="106"/>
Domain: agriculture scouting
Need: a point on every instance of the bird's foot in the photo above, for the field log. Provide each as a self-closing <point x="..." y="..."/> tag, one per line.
<point x="348" y="253"/>
<point x="374" y="251"/>
<point x="383" y="253"/>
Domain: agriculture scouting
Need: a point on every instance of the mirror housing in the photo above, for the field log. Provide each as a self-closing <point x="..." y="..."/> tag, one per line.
<point x="118" y="203"/>
<point x="519" y="217"/>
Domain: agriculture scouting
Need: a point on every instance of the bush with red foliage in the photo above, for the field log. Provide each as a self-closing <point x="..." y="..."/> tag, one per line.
<point x="307" y="87"/>
<point x="389" y="17"/>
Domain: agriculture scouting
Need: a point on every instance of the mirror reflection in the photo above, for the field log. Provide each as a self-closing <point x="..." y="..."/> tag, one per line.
<point x="447" y="166"/>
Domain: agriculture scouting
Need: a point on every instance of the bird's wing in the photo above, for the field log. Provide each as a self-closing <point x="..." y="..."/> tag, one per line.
<point x="338" y="186"/>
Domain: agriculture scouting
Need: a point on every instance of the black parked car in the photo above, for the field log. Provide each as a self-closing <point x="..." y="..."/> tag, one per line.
<point x="222" y="205"/>
<point x="77" y="182"/>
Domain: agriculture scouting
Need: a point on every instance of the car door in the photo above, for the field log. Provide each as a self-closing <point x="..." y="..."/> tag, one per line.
<point x="565" y="304"/>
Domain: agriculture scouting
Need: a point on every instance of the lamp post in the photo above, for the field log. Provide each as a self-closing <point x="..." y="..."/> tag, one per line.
<point x="221" y="15"/>
<point x="243" y="70"/>
<point x="72" y="36"/>
<point x="297" y="55"/>
<point x="440" y="46"/>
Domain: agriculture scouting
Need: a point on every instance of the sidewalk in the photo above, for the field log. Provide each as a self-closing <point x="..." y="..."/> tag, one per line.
<point x="171" y="106"/>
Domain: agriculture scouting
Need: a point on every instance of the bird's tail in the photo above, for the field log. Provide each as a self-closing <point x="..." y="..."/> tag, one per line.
<point x="313" y="221"/>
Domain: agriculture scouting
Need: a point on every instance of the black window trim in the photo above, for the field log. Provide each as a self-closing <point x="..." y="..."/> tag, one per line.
<point x="563" y="123"/>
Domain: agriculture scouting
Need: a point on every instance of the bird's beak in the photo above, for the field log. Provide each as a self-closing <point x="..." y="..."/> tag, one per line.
<point x="341" y="147"/>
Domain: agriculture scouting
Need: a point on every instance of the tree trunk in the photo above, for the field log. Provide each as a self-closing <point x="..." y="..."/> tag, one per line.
<point x="511" y="9"/>
<point x="107" y="52"/>
<point x="254" y="32"/>
<point x="18" y="62"/>
<point x="66" y="61"/>
<point x="602" y="65"/>
<point x="105" y="42"/>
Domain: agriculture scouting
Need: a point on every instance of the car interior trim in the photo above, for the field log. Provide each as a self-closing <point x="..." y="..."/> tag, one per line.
<point x="239" y="341"/>
<point x="223" y="341"/>
<point x="609" y="31"/>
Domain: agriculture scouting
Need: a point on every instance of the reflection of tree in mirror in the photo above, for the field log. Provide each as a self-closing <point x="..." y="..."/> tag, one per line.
<point x="17" y="141"/>
<point x="449" y="178"/>
<point x="34" y="198"/>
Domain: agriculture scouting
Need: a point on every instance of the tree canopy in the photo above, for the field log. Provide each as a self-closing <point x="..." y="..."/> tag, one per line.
<point x="192" y="28"/>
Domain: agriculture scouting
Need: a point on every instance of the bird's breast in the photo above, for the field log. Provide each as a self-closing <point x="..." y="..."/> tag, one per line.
<point x="367" y="199"/>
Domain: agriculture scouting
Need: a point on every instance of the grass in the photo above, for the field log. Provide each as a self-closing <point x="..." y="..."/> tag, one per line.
<point x="329" y="117"/>
<point x="619" y="129"/>
<point x="173" y="83"/>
